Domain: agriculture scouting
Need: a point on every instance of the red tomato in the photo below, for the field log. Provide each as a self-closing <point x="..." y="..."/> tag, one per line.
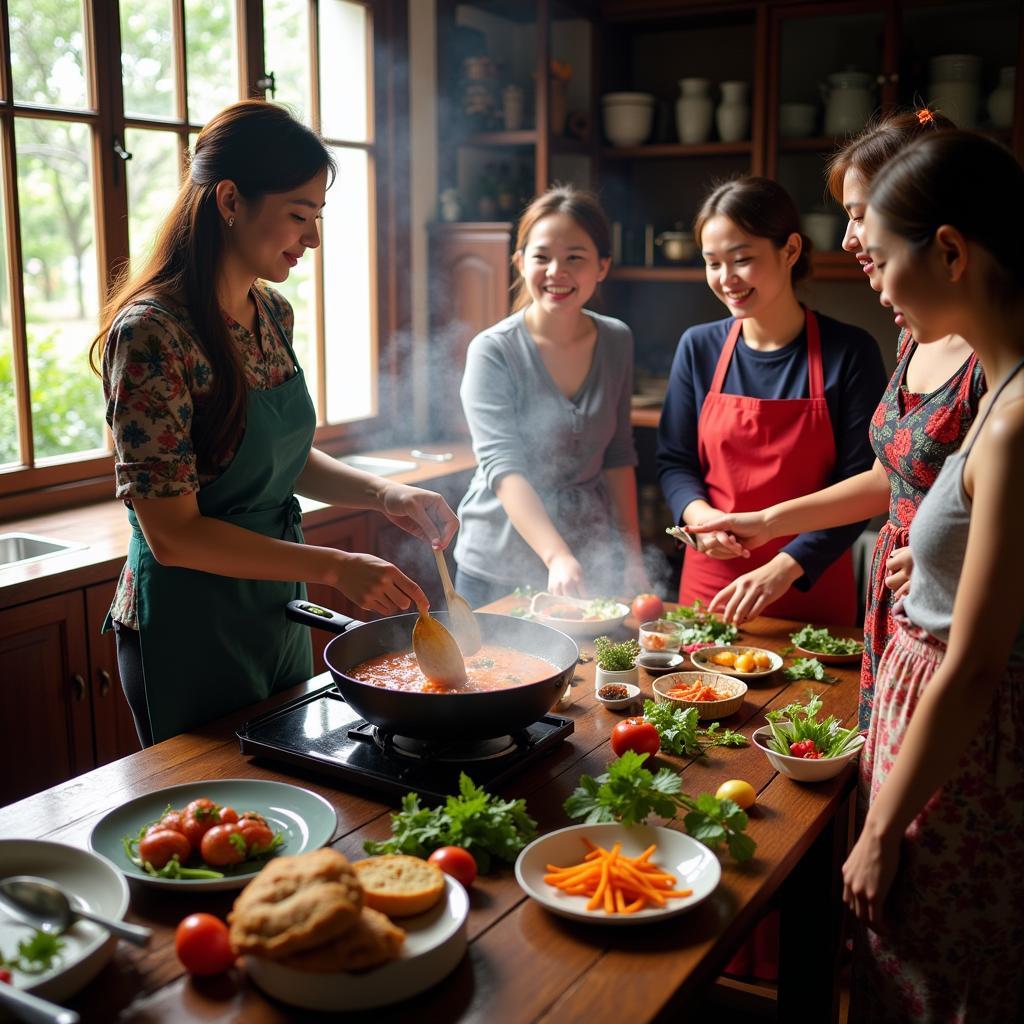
<point x="160" y="845"/>
<point x="257" y="834"/>
<point x="220" y="847"/>
<point x="195" y="828"/>
<point x="174" y="820"/>
<point x="647" y="607"/>
<point x="5" y="975"/>
<point x="635" y="734"/>
<point x="202" y="944"/>
<point x="228" y="816"/>
<point x="457" y="862"/>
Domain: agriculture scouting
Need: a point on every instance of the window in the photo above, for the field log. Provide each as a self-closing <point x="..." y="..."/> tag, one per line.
<point x="99" y="102"/>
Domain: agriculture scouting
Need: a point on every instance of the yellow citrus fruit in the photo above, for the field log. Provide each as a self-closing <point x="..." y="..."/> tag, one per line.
<point x="746" y="663"/>
<point x="762" y="660"/>
<point x="724" y="658"/>
<point x="739" y="792"/>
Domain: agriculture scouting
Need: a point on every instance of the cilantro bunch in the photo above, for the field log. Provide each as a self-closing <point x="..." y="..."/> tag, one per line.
<point x="798" y="722"/>
<point x="630" y="793"/>
<point x="821" y="641"/>
<point x="808" y="668"/>
<point x="680" y="734"/>
<point x="701" y="626"/>
<point x="475" y="820"/>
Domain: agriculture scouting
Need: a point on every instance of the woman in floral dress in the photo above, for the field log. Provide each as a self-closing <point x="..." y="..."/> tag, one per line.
<point x="935" y="875"/>
<point x="929" y="404"/>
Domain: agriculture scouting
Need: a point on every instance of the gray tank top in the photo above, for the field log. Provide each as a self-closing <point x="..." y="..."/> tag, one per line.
<point x="938" y="541"/>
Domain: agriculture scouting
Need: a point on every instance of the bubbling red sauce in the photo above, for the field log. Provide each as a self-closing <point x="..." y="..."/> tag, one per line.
<point x="491" y="668"/>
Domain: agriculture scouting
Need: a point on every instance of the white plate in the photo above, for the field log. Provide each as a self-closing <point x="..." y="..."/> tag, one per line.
<point x="695" y="866"/>
<point x="96" y="883"/>
<point x="306" y="820"/>
<point x="702" y="661"/>
<point x="587" y="628"/>
<point x="434" y="944"/>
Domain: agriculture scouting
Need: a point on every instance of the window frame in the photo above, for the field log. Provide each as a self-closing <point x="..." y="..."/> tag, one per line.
<point x="29" y="488"/>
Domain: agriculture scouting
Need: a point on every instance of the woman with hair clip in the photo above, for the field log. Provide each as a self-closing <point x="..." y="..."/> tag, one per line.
<point x="767" y="404"/>
<point x="213" y="430"/>
<point x="935" y="874"/>
<point x="928" y="405"/>
<point x="546" y="393"/>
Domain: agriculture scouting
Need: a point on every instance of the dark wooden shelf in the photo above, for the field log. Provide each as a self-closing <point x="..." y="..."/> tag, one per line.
<point x="676" y="151"/>
<point x="835" y="266"/>
<point x="525" y="137"/>
<point x="657" y="274"/>
<point x="811" y="144"/>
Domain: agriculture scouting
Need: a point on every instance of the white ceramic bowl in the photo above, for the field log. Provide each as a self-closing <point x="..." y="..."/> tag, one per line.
<point x="706" y="709"/>
<point x="803" y="769"/>
<point x="619" y="703"/>
<point x="611" y="99"/>
<point x="628" y="117"/>
<point x="657" y="662"/>
<point x="545" y="607"/>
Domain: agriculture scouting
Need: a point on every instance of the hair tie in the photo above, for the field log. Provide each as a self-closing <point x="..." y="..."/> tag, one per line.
<point x="925" y="116"/>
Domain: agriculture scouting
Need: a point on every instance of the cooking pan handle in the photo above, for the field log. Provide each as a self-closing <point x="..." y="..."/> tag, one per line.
<point x="318" y="617"/>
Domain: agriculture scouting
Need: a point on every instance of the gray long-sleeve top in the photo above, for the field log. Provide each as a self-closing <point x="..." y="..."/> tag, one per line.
<point x="521" y="423"/>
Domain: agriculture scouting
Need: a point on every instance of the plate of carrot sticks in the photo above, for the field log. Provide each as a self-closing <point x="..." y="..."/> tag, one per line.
<point x="611" y="874"/>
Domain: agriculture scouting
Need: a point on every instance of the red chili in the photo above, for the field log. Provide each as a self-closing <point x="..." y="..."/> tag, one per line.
<point x="5" y="975"/>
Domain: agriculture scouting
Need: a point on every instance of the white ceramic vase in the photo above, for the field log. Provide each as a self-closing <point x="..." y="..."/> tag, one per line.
<point x="693" y="118"/>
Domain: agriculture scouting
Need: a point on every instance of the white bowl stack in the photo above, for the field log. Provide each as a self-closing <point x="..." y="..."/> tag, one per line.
<point x="628" y="117"/>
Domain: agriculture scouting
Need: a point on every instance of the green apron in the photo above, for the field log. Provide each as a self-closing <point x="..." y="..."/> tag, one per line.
<point x="212" y="644"/>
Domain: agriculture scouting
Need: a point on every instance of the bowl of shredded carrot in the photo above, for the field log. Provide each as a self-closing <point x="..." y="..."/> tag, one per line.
<point x="611" y="874"/>
<point x="712" y="694"/>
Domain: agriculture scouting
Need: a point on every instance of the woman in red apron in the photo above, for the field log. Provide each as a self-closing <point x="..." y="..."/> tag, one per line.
<point x="768" y="404"/>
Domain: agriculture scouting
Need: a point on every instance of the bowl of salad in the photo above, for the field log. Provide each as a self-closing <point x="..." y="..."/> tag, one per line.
<point x="803" y="748"/>
<point x="699" y="628"/>
<point x="578" y="616"/>
<point x="828" y="649"/>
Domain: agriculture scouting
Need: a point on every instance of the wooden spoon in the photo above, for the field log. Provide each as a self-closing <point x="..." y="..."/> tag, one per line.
<point x="437" y="652"/>
<point x="465" y="628"/>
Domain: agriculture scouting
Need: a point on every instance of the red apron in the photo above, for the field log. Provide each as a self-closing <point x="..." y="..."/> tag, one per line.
<point x="755" y="452"/>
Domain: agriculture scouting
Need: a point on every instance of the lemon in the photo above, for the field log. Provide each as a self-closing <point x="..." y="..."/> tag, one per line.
<point x="739" y="792"/>
<point x="745" y="663"/>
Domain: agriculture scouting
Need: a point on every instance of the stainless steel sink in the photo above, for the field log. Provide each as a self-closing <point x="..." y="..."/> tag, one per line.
<point x="16" y="548"/>
<point x="382" y="467"/>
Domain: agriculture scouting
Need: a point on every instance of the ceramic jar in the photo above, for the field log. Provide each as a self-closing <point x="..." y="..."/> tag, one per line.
<point x="628" y="117"/>
<point x="732" y="118"/>
<point x="822" y="228"/>
<point x="1000" y="100"/>
<point x="848" y="102"/>
<point x="603" y="676"/>
<point x="954" y="89"/>
<point x="677" y="246"/>
<point x="694" y="110"/>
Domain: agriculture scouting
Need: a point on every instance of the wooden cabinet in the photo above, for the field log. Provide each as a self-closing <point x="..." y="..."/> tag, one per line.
<point x="45" y="697"/>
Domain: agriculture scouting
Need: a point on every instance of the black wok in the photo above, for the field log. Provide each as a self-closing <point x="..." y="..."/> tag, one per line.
<point x="441" y="716"/>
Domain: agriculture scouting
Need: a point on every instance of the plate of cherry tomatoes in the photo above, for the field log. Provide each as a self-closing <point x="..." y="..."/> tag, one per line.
<point x="211" y="835"/>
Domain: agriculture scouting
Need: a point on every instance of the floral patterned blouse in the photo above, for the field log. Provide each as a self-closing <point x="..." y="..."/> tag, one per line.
<point x="155" y="377"/>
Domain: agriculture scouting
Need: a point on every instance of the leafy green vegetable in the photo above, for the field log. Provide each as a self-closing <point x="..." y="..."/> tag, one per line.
<point x="701" y="625"/>
<point x="808" y="668"/>
<point x="613" y="657"/>
<point x="797" y="722"/>
<point x="629" y="793"/>
<point x="35" y="954"/>
<point x="821" y="641"/>
<point x="481" y="823"/>
<point x="603" y="608"/>
<point x="680" y="734"/>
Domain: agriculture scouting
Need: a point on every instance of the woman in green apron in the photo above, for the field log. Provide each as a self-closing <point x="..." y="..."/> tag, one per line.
<point x="213" y="430"/>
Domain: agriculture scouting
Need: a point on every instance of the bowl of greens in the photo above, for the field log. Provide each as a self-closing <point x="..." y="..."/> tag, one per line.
<point x="578" y="616"/>
<point x="804" y="748"/>
<point x="699" y="628"/>
<point x="828" y="649"/>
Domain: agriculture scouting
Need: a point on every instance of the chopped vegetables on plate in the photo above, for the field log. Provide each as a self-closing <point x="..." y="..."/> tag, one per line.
<point x="821" y="641"/>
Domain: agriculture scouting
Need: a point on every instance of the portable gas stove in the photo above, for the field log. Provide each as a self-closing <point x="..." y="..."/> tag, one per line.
<point x="319" y="731"/>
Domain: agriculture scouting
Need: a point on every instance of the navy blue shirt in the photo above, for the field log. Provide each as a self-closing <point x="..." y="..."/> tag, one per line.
<point x="855" y="379"/>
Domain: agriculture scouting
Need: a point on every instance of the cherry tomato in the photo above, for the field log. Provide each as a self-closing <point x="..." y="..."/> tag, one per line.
<point x="202" y="944"/>
<point x="174" y="820"/>
<point x="252" y="816"/>
<point x="195" y="828"/>
<point x="220" y="848"/>
<point x="202" y="808"/>
<point x="646" y="607"/>
<point x="5" y="975"/>
<point x="635" y="734"/>
<point x="457" y="862"/>
<point x="258" y="835"/>
<point x="227" y="816"/>
<point x="158" y="847"/>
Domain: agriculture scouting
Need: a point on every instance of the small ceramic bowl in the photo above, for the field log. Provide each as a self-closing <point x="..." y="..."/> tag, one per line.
<point x="619" y="703"/>
<point x="707" y="709"/>
<point x="657" y="662"/>
<point x="800" y="768"/>
<point x="660" y="635"/>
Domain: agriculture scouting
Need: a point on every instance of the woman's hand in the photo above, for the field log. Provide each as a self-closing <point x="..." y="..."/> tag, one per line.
<point x="422" y="513"/>
<point x="748" y="595"/>
<point x="868" y="874"/>
<point x="898" y="567"/>
<point x="748" y="527"/>
<point x="376" y="585"/>
<point x="565" y="576"/>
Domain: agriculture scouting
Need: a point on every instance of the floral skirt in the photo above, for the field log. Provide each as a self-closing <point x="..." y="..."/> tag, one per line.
<point x="954" y="945"/>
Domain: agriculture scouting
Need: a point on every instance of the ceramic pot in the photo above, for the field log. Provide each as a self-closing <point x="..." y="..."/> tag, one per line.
<point x="677" y="246"/>
<point x="848" y="102"/>
<point x="732" y="121"/>
<point x="602" y="677"/>
<point x="512" y="107"/>
<point x="628" y="117"/>
<point x="822" y="229"/>
<point x="734" y="92"/>
<point x="954" y="67"/>
<point x="695" y="86"/>
<point x="693" y="118"/>
<point x="1000" y="100"/>
<point x="957" y="100"/>
<point x="796" y="120"/>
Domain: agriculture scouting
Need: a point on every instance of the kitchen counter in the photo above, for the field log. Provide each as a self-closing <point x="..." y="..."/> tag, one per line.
<point x="104" y="528"/>
<point x="523" y="964"/>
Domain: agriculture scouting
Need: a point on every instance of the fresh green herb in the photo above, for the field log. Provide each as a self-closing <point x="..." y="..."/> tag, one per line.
<point x="603" y="608"/>
<point x="808" y="668"/>
<point x="481" y="823"/>
<point x="680" y="734"/>
<point x="613" y="657"/>
<point x="798" y="723"/>
<point x="787" y="650"/>
<point x="35" y="954"/>
<point x="629" y="793"/>
<point x="821" y="641"/>
<point x="701" y="626"/>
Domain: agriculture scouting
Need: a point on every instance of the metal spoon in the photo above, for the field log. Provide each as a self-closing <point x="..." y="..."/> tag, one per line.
<point x="34" y="1010"/>
<point x="38" y="902"/>
<point x="465" y="628"/>
<point x="437" y="652"/>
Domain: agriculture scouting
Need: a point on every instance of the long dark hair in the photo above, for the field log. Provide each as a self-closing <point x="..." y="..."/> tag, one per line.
<point x="762" y="208"/>
<point x="263" y="150"/>
<point x="968" y="182"/>
<point x="868" y="152"/>
<point x="585" y="210"/>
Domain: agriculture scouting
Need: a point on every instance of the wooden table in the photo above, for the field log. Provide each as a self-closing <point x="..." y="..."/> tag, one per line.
<point x="524" y="964"/>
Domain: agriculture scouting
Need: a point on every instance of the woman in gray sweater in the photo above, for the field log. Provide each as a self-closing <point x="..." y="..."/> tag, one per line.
<point x="547" y="395"/>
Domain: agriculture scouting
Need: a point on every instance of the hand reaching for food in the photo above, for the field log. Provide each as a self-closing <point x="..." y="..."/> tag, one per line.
<point x="748" y="595"/>
<point x="565" y="576"/>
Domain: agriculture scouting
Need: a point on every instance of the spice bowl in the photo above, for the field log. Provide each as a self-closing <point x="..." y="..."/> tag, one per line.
<point x="706" y="709"/>
<point x="799" y="768"/>
<point x="619" y="703"/>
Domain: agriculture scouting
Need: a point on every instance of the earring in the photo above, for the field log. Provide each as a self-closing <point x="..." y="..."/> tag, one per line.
<point x="231" y="222"/>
